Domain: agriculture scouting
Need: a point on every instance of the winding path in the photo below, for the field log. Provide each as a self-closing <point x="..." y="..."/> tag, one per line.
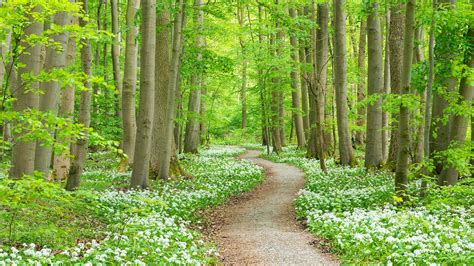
<point x="262" y="229"/>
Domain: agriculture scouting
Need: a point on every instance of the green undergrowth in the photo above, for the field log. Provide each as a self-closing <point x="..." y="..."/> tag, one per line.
<point x="103" y="223"/>
<point x="358" y="213"/>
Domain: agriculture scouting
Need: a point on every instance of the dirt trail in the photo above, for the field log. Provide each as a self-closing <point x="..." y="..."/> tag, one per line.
<point x="261" y="228"/>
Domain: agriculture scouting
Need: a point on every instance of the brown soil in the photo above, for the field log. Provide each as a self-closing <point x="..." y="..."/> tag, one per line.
<point x="260" y="227"/>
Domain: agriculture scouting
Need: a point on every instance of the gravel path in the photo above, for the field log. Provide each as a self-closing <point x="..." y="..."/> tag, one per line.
<point x="261" y="229"/>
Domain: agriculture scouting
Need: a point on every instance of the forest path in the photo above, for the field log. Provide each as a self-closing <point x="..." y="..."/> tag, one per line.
<point x="262" y="229"/>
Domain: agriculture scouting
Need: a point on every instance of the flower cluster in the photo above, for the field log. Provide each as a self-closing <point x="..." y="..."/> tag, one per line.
<point x="352" y="208"/>
<point x="154" y="226"/>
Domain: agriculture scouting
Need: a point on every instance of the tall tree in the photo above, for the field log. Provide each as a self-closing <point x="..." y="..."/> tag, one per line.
<point x="373" y="148"/>
<point x="62" y="162"/>
<point x="340" y="72"/>
<point x="296" y="93"/>
<point x="129" y="122"/>
<point x="401" y="171"/>
<point x="191" y="139"/>
<point x="163" y="142"/>
<point x="395" y="54"/>
<point x="80" y="148"/>
<point x="55" y="59"/>
<point x="147" y="93"/>
<point x="26" y="94"/>
<point x="115" y="50"/>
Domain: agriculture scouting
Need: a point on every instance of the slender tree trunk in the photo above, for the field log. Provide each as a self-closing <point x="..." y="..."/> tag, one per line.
<point x="401" y="171"/>
<point x="202" y="114"/>
<point x="373" y="150"/>
<point x="191" y="139"/>
<point x="130" y="82"/>
<point x="141" y="163"/>
<point x="49" y="100"/>
<point x="458" y="129"/>
<point x="243" y="88"/>
<point x="164" y="140"/>
<point x="440" y="120"/>
<point x="304" y="90"/>
<point x="361" y="111"/>
<point x="296" y="93"/>
<point x="23" y="152"/>
<point x="340" y="82"/>
<point x="62" y="162"/>
<point x="115" y="49"/>
<point x="395" y="54"/>
<point x="81" y="146"/>
<point x="386" y="89"/>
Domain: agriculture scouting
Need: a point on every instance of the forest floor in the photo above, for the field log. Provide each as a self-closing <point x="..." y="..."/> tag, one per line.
<point x="261" y="227"/>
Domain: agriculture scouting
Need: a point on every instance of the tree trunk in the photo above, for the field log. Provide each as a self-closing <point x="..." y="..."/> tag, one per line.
<point x="373" y="148"/>
<point x="62" y="162"/>
<point x="458" y="129"/>
<point x="204" y="140"/>
<point x="129" y="122"/>
<point x="401" y="170"/>
<point x="191" y="139"/>
<point x="141" y="163"/>
<point x="81" y="146"/>
<point x="243" y="88"/>
<point x="396" y="51"/>
<point x="49" y="100"/>
<point x="115" y="49"/>
<point x="340" y="81"/>
<point x="161" y="147"/>
<point x="23" y="152"/>
<point x="361" y="111"/>
<point x="296" y="93"/>
<point x="386" y="90"/>
<point x="164" y="134"/>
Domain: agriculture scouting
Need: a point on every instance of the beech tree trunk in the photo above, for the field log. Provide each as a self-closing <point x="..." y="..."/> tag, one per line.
<point x="129" y="122"/>
<point x="163" y="136"/>
<point x="162" y="76"/>
<point x="80" y="148"/>
<point x="147" y="94"/>
<point x="458" y="129"/>
<point x="191" y="139"/>
<point x="386" y="90"/>
<point x="115" y="49"/>
<point x="361" y="111"/>
<point x="23" y="152"/>
<point x="395" y="55"/>
<point x="401" y="170"/>
<point x="373" y="148"/>
<point x="49" y="100"/>
<point x="340" y="82"/>
<point x="296" y="93"/>
<point x="62" y="162"/>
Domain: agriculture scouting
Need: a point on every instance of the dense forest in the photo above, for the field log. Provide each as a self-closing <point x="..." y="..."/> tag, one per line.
<point x="206" y="132"/>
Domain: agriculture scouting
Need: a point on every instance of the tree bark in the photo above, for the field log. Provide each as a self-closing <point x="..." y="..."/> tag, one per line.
<point x="401" y="170"/>
<point x="340" y="82"/>
<point x="160" y="145"/>
<point x="23" y="152"/>
<point x="396" y="53"/>
<point x="62" y="162"/>
<point x="296" y="93"/>
<point x="81" y="146"/>
<point x="115" y="49"/>
<point x="191" y="139"/>
<point x="458" y="129"/>
<point x="164" y="139"/>
<point x="386" y="90"/>
<point x="129" y="122"/>
<point x="49" y="100"/>
<point x="147" y="93"/>
<point x="373" y="148"/>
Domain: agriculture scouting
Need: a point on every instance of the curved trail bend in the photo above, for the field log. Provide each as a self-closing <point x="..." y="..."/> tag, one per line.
<point x="262" y="229"/>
